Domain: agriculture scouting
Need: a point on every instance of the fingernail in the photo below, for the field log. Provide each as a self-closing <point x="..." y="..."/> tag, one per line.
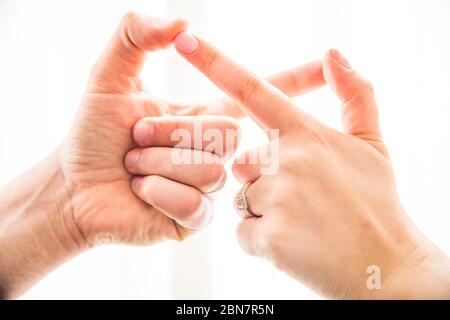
<point x="135" y="183"/>
<point x="340" y="58"/>
<point x="143" y="132"/>
<point x="186" y="43"/>
<point x="131" y="159"/>
<point x="164" y="22"/>
<point x="202" y="217"/>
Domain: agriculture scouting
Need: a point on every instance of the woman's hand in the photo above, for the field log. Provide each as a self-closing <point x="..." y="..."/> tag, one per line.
<point x="330" y="213"/>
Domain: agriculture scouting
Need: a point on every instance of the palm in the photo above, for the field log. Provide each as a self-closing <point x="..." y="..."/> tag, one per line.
<point x="107" y="209"/>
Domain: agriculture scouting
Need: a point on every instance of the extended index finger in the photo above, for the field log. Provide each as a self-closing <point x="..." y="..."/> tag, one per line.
<point x="292" y="82"/>
<point x="267" y="105"/>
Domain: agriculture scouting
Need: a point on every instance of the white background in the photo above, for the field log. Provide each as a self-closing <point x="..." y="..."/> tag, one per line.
<point x="403" y="47"/>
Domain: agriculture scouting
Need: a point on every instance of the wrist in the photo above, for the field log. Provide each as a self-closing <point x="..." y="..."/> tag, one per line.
<point x="409" y="267"/>
<point x="50" y="209"/>
<point x="425" y="274"/>
<point x="38" y="231"/>
<point x="69" y="232"/>
<point x="420" y="272"/>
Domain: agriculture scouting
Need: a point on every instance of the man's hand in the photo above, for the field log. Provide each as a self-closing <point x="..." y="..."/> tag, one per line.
<point x="331" y="213"/>
<point x="83" y="195"/>
<point x="93" y="157"/>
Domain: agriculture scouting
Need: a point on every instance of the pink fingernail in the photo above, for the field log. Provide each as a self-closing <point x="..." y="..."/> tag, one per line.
<point x="340" y="58"/>
<point x="143" y="132"/>
<point x="131" y="159"/>
<point x="136" y="183"/>
<point x="186" y="43"/>
<point x="202" y="217"/>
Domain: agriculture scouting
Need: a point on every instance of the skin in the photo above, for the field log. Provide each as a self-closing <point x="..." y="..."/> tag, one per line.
<point x="82" y="195"/>
<point x="112" y="179"/>
<point x="332" y="209"/>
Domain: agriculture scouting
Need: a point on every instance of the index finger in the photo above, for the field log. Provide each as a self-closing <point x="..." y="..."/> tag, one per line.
<point x="267" y="105"/>
<point x="292" y="82"/>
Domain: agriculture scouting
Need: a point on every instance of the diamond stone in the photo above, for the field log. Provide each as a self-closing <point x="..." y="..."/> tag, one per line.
<point x="241" y="202"/>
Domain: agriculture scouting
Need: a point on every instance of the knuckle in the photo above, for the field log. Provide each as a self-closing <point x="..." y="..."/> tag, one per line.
<point x="306" y="155"/>
<point x="210" y="57"/>
<point x="132" y="35"/>
<point x="128" y="21"/>
<point x="139" y="160"/>
<point x="147" y="131"/>
<point x="290" y="158"/>
<point x="312" y="154"/>
<point x="251" y="85"/>
<point x="312" y="133"/>
<point x="279" y="199"/>
<point x="274" y="242"/>
<point x="295" y="162"/>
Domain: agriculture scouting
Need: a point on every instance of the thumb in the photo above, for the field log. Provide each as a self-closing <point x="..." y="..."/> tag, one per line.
<point x="359" y="108"/>
<point x="118" y="68"/>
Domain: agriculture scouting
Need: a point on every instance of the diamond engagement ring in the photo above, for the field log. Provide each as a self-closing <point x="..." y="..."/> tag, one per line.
<point x="241" y="204"/>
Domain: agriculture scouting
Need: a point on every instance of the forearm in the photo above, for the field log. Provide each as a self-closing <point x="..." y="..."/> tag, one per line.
<point x="37" y="229"/>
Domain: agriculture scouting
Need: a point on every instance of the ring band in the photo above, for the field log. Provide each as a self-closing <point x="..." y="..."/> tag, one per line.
<point x="241" y="203"/>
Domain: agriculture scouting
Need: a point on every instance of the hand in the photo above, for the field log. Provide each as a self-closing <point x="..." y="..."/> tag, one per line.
<point x="292" y="82"/>
<point x="150" y="161"/>
<point x="82" y="194"/>
<point x="93" y="189"/>
<point x="331" y="211"/>
<point x="105" y="208"/>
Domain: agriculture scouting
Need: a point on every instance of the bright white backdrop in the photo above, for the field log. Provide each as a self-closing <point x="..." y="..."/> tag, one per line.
<point x="47" y="48"/>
